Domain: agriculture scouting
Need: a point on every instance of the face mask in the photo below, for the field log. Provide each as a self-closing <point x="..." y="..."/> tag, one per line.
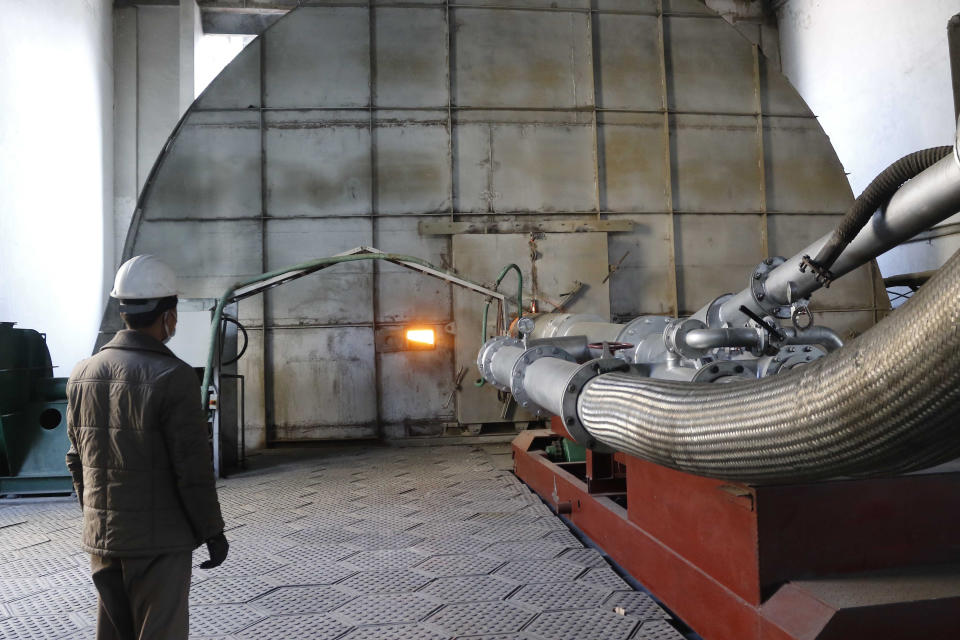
<point x="172" y="333"/>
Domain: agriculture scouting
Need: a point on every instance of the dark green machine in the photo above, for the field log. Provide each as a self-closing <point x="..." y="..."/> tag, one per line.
<point x="33" y="416"/>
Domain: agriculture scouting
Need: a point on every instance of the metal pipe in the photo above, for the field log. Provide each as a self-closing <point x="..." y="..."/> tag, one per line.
<point x="929" y="198"/>
<point x="719" y="338"/>
<point x="501" y="366"/>
<point x="546" y="381"/>
<point x="823" y="336"/>
<point x="746" y="337"/>
<point x="887" y="403"/>
<point x="576" y="346"/>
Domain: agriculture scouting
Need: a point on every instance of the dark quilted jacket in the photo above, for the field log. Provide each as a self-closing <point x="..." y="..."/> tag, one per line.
<point x="139" y="453"/>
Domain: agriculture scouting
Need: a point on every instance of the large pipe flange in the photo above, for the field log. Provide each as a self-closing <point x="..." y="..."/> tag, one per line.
<point x="725" y="371"/>
<point x="569" y="415"/>
<point x="645" y="333"/>
<point x="485" y="358"/>
<point x="530" y="356"/>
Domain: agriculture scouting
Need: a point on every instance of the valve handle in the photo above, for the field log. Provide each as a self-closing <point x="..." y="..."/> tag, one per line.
<point x="769" y="328"/>
<point x="612" y="346"/>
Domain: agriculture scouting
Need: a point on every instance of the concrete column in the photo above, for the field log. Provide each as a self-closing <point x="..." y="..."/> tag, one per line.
<point x="190" y="32"/>
<point x="147" y="107"/>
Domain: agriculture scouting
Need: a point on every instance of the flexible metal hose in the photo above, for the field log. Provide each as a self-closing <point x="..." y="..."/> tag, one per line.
<point x="874" y="196"/>
<point x="888" y="402"/>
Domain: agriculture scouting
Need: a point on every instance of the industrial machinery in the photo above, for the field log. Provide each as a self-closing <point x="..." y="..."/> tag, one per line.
<point x="33" y="425"/>
<point x="792" y="524"/>
<point x="739" y="461"/>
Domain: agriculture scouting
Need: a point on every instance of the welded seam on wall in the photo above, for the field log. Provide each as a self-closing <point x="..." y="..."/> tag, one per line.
<point x="545" y="217"/>
<point x="495" y="109"/>
<point x="593" y="41"/>
<point x="451" y="158"/>
<point x="374" y="238"/>
<point x="761" y="156"/>
<point x="507" y="7"/>
<point x="448" y="24"/>
<point x="265" y="352"/>
<point x="673" y="283"/>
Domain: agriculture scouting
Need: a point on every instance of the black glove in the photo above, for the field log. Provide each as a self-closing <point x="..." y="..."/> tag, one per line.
<point x="218" y="548"/>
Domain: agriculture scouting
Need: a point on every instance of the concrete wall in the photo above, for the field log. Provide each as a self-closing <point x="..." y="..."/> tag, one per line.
<point x="56" y="173"/>
<point x="877" y="74"/>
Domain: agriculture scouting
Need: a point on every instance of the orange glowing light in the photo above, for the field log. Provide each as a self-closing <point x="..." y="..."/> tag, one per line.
<point x="421" y="336"/>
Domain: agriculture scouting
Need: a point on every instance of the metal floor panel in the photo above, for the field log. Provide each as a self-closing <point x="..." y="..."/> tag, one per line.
<point x="395" y="581"/>
<point x="389" y="608"/>
<point x="296" y="600"/>
<point x="559" y="595"/>
<point x="217" y="620"/>
<point x="582" y="625"/>
<point x="480" y="618"/>
<point x="426" y="543"/>
<point x="469" y="589"/>
<point x="395" y="632"/>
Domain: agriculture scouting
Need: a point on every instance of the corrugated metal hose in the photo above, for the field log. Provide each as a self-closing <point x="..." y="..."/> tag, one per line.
<point x="887" y="403"/>
<point x="877" y="193"/>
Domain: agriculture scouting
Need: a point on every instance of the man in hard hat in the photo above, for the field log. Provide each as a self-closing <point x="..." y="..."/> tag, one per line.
<point x="141" y="464"/>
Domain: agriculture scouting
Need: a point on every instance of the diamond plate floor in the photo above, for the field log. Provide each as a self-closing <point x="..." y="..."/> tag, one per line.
<point x="430" y="543"/>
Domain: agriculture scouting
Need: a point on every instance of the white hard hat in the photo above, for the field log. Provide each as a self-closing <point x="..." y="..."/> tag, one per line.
<point x="143" y="277"/>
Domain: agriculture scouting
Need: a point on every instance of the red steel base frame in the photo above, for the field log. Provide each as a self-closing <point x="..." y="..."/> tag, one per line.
<point x="779" y="562"/>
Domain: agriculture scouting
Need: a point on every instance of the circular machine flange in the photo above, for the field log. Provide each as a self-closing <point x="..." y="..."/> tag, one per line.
<point x="530" y="356"/>
<point x="713" y="311"/>
<point x="674" y="334"/>
<point x="637" y="331"/>
<point x="485" y="357"/>
<point x="791" y="357"/>
<point x="758" y="280"/>
<point x="724" y="371"/>
<point x="570" y="418"/>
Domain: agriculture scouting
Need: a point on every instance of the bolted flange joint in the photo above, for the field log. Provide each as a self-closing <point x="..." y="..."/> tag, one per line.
<point x="530" y="356"/>
<point x="571" y="419"/>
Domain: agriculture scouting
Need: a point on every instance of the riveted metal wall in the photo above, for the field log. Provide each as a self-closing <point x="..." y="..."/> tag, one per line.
<point x="351" y="123"/>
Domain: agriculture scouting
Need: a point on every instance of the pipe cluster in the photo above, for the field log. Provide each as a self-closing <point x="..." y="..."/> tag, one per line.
<point x="800" y="405"/>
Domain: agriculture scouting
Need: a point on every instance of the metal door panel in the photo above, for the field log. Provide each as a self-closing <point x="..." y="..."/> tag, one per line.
<point x="323" y="383"/>
<point x="539" y="168"/>
<point x="629" y="75"/>
<point x="717" y="163"/>
<point x="213" y="170"/>
<point x="413" y="169"/>
<point x="409" y="72"/>
<point x="208" y="256"/>
<point x="634" y="168"/>
<point x="416" y="386"/>
<point x="338" y="294"/>
<point x="709" y="66"/>
<point x="522" y="59"/>
<point x="318" y="170"/>
<point x="321" y="59"/>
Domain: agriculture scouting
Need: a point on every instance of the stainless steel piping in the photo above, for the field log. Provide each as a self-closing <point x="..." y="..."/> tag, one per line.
<point x="888" y="402"/>
<point x="717" y="338"/>
<point x="823" y="336"/>
<point x="929" y="198"/>
<point x="744" y="337"/>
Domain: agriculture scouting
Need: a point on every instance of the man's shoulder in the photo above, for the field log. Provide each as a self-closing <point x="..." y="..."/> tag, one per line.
<point x="123" y="364"/>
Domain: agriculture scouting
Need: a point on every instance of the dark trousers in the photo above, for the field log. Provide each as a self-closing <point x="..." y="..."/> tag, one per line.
<point x="142" y="598"/>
